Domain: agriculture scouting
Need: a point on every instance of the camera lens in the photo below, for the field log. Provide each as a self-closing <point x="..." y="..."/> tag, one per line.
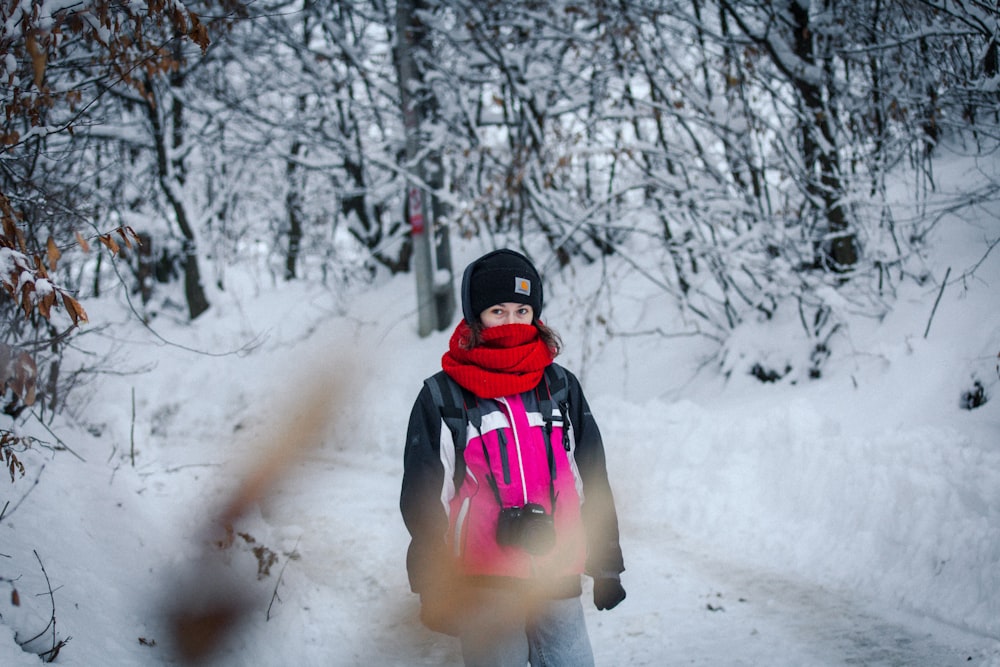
<point x="530" y="527"/>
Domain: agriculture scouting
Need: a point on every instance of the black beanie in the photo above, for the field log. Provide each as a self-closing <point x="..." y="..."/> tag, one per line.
<point x="502" y="276"/>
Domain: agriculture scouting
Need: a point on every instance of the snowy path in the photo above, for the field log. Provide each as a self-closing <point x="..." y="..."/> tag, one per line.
<point x="684" y="607"/>
<point x="699" y="611"/>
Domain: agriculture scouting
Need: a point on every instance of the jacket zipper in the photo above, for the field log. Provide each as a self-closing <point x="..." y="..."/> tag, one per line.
<point x="504" y="458"/>
<point x="517" y="447"/>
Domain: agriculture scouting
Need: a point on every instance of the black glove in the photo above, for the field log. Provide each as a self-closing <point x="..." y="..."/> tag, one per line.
<point x="608" y="592"/>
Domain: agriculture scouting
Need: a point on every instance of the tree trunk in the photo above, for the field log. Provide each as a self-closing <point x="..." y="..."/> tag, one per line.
<point x="293" y="205"/>
<point x="836" y="248"/>
<point x="171" y="180"/>
<point x="435" y="299"/>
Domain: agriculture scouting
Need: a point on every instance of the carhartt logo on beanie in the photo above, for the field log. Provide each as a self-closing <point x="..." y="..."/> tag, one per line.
<point x="502" y="276"/>
<point x="522" y="286"/>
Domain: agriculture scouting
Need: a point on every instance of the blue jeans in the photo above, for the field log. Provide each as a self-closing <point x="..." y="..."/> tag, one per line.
<point x="507" y="629"/>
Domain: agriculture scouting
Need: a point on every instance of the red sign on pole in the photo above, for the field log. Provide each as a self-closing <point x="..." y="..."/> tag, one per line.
<point x="416" y="211"/>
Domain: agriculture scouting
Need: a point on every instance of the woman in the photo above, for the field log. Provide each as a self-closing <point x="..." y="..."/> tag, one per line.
<point x="510" y="507"/>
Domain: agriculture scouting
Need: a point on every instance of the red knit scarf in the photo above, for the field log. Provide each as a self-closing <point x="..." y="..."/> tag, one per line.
<point x="510" y="360"/>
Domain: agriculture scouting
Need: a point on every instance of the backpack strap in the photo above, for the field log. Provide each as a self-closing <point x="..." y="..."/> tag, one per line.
<point x="556" y="395"/>
<point x="557" y="382"/>
<point x="458" y="407"/>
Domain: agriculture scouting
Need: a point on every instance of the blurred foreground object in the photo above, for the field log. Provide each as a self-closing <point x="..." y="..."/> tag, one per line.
<point x="208" y="601"/>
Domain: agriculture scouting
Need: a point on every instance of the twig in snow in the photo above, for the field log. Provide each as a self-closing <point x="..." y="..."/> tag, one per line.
<point x="937" y="301"/>
<point x="274" y="594"/>
<point x="4" y="513"/>
<point x="52" y="653"/>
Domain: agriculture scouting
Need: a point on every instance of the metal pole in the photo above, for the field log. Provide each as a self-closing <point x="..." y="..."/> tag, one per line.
<point x="416" y="208"/>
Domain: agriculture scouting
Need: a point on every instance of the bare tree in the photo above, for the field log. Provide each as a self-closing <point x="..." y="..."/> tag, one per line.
<point x="732" y="154"/>
<point x="57" y="65"/>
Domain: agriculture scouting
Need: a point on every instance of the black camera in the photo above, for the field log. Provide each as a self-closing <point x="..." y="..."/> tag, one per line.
<point x="529" y="527"/>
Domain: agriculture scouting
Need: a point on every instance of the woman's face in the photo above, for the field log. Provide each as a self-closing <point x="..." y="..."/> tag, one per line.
<point x="507" y="313"/>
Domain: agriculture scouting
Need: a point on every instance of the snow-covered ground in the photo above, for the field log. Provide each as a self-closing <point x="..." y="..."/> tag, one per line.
<point x="853" y="519"/>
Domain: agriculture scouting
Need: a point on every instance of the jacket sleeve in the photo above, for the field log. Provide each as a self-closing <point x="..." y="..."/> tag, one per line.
<point x="600" y="519"/>
<point x="420" y="498"/>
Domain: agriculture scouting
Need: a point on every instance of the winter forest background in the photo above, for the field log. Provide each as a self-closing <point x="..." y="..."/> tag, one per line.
<point x="747" y="162"/>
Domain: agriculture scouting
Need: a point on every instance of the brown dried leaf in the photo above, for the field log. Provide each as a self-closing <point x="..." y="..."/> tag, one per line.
<point x="132" y="234"/>
<point x="29" y="395"/>
<point x="13" y="465"/>
<point x="13" y="235"/>
<point x="53" y="253"/>
<point x="82" y="242"/>
<point x="45" y="304"/>
<point x="19" y="377"/>
<point x="40" y="271"/>
<point x="27" y="289"/>
<point x="25" y="368"/>
<point x="125" y="239"/>
<point x="39" y="58"/>
<point x="199" y="35"/>
<point x="109" y="243"/>
<point x="75" y="310"/>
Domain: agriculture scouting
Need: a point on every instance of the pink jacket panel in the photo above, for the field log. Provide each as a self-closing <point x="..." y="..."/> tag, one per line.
<point x="512" y="439"/>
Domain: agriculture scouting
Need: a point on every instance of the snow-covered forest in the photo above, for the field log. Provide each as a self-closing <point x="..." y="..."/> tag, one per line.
<point x="768" y="232"/>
